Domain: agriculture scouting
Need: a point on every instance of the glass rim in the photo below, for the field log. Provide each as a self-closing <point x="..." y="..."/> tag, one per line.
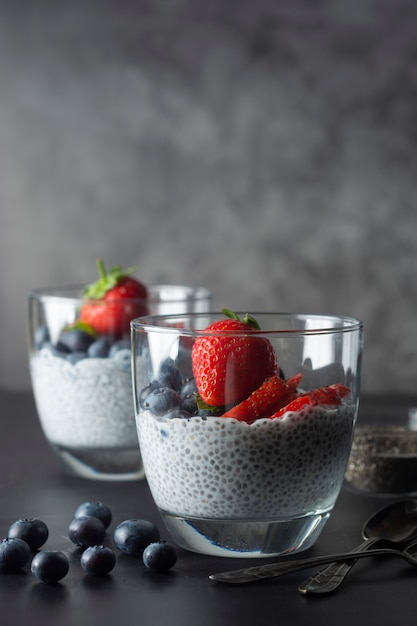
<point x="149" y="323"/>
<point x="157" y="293"/>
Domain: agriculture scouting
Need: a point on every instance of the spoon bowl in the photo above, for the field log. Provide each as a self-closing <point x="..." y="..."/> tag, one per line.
<point x="394" y="524"/>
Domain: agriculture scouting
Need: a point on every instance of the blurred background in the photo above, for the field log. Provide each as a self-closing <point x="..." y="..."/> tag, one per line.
<point x="265" y="149"/>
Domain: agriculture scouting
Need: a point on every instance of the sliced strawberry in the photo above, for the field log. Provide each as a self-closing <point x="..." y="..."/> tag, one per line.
<point x="298" y="404"/>
<point x="328" y="395"/>
<point x="273" y="393"/>
<point x="331" y="395"/>
<point x="341" y="390"/>
<point x="294" y="381"/>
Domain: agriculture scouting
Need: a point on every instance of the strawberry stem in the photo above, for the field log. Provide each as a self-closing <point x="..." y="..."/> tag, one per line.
<point x="231" y="314"/>
<point x="251" y="321"/>
<point x="106" y="281"/>
<point x="248" y="319"/>
<point x="101" y="269"/>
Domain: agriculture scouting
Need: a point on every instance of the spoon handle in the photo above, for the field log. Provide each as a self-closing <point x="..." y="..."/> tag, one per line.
<point x="271" y="570"/>
<point x="331" y="577"/>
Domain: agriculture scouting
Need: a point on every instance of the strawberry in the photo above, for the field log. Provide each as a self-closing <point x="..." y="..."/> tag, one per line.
<point x="298" y="404"/>
<point x="271" y="395"/>
<point x="341" y="390"/>
<point x="228" y="363"/>
<point x="331" y="395"/>
<point x="113" y="301"/>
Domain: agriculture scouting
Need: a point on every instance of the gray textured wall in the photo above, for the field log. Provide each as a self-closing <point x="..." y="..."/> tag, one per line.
<point x="267" y="150"/>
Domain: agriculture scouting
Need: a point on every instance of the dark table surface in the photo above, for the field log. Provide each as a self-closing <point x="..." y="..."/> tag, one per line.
<point x="32" y="484"/>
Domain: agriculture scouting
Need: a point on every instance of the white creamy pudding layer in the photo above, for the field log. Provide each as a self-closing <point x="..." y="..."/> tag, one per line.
<point x="85" y="405"/>
<point x="221" y="468"/>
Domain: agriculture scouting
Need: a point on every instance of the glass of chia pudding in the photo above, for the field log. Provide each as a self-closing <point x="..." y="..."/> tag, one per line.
<point x="245" y="425"/>
<point x="82" y="379"/>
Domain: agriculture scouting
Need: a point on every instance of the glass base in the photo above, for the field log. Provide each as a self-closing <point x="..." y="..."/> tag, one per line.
<point x="110" y="464"/>
<point x="245" y="539"/>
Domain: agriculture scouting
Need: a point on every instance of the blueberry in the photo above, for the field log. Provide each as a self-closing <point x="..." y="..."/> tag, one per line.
<point x="133" y="535"/>
<point x="123" y="358"/>
<point x="122" y="344"/>
<point x="190" y="405"/>
<point x="215" y="411"/>
<point x="188" y="395"/>
<point x="98" y="560"/>
<point x="100" y="348"/>
<point x="122" y="354"/>
<point x="14" y="554"/>
<point x="159" y="556"/>
<point x="41" y="336"/>
<point x="146" y="391"/>
<point x="32" y="530"/>
<point x="188" y="388"/>
<point x="50" y="566"/>
<point x="162" y="400"/>
<point x="169" y="375"/>
<point x="86" y="531"/>
<point x="59" y="349"/>
<point x="74" y="357"/>
<point x="75" y="340"/>
<point x="95" y="509"/>
<point x="177" y="413"/>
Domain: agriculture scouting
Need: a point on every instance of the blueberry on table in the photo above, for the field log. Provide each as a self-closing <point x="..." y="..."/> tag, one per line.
<point x="50" y="566"/>
<point x="162" y="400"/>
<point x="133" y="535"/>
<point x="98" y="560"/>
<point x="86" y="531"/>
<point x="159" y="556"/>
<point x="95" y="509"/>
<point x="32" y="530"/>
<point x="14" y="554"/>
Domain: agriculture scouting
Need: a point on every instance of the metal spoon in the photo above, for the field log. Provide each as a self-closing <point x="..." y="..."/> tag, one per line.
<point x="395" y="523"/>
<point x="272" y="570"/>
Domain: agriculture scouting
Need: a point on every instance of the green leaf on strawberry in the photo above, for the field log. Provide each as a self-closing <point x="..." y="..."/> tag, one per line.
<point x="248" y="319"/>
<point x="106" y="281"/>
<point x="80" y="325"/>
<point x="203" y="406"/>
<point x="113" y="301"/>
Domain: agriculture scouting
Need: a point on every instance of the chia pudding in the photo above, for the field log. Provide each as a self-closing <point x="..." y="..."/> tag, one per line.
<point x="87" y="404"/>
<point x="226" y="469"/>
